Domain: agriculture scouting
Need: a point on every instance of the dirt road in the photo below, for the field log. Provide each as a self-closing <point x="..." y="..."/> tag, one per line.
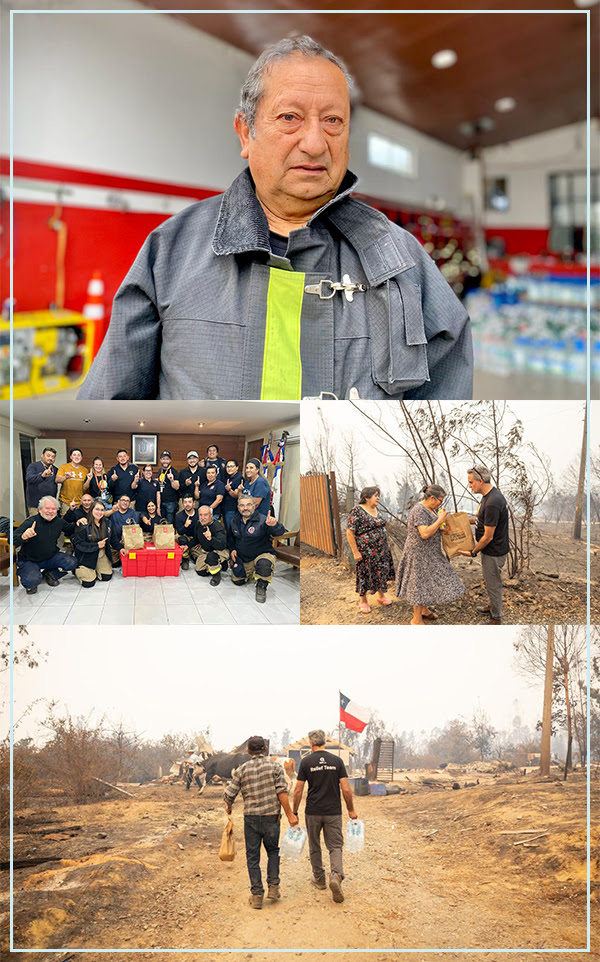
<point x="438" y="871"/>
<point x="554" y="589"/>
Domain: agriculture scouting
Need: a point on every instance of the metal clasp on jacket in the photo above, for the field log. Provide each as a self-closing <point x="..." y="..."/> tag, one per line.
<point x="346" y="285"/>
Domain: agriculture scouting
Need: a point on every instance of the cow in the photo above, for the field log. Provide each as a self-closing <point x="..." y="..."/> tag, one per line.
<point x="289" y="767"/>
<point x="222" y="765"/>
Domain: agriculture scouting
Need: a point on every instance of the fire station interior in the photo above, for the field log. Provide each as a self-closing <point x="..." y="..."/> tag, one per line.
<point x="471" y="133"/>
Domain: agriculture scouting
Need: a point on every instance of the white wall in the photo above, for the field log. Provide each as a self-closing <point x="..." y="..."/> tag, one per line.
<point x="19" y="427"/>
<point x="527" y="163"/>
<point x="142" y="94"/>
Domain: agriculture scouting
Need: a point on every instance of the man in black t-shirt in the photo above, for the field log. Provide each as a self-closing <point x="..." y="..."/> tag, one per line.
<point x="491" y="533"/>
<point x="169" y="487"/>
<point x="325" y="774"/>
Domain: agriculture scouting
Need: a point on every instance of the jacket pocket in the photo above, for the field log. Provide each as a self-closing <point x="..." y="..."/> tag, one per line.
<point x="202" y="359"/>
<point x="398" y="340"/>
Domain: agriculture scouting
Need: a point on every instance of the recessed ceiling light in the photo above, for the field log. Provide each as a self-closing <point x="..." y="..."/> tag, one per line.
<point x="141" y="423"/>
<point x="444" y="59"/>
<point x="584" y="4"/>
<point x="486" y="123"/>
<point x="467" y="129"/>
<point x="504" y="104"/>
<point x="200" y="424"/>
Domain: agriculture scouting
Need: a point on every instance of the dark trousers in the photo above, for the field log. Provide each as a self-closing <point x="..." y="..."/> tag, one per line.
<point x="331" y="826"/>
<point x="167" y="511"/>
<point x="30" y="572"/>
<point x="265" y="829"/>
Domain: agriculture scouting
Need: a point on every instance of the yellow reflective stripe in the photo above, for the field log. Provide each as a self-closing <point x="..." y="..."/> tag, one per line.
<point x="282" y="367"/>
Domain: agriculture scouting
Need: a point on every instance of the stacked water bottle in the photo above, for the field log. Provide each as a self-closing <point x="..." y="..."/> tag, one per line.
<point x="292" y="843"/>
<point x="536" y="324"/>
<point x="355" y="835"/>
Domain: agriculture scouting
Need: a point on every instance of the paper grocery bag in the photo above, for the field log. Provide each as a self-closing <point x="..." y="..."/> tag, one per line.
<point x="164" y="536"/>
<point x="456" y="534"/>
<point x="227" y="850"/>
<point x="133" y="537"/>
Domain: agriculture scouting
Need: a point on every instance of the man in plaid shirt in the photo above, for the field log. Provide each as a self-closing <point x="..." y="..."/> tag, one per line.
<point x="264" y="789"/>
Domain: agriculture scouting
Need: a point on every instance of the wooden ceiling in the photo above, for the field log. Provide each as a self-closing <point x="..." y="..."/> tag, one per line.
<point x="537" y="58"/>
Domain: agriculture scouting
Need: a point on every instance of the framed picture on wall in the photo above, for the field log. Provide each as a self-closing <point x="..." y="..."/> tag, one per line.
<point x="144" y="448"/>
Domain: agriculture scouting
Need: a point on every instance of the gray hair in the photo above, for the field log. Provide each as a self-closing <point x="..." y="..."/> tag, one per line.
<point x="317" y="737"/>
<point x="48" y="497"/>
<point x="245" y="497"/>
<point x="481" y="472"/>
<point x="252" y="89"/>
<point x="202" y="505"/>
<point x="433" y="491"/>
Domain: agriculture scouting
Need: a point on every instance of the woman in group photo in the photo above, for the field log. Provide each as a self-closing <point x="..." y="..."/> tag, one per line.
<point x="369" y="544"/>
<point x="425" y="576"/>
<point x="91" y="545"/>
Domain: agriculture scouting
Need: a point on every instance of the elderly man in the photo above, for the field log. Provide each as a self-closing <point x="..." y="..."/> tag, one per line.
<point x="286" y="286"/>
<point x="326" y="775"/>
<point x="491" y="532"/>
<point x="250" y="546"/>
<point x="210" y="548"/>
<point x="39" y="557"/>
<point x="40" y="480"/>
<point x="264" y="789"/>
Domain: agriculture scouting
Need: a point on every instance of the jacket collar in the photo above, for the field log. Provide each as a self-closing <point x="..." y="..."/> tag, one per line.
<point x="242" y="225"/>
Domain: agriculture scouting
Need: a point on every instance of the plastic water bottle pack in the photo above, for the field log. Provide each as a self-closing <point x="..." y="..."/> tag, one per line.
<point x="355" y="835"/>
<point x="292" y="843"/>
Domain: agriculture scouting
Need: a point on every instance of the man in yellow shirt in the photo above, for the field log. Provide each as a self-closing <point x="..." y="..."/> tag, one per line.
<point x="72" y="477"/>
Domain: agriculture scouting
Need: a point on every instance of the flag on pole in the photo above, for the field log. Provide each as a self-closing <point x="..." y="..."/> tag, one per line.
<point x="278" y="461"/>
<point x="354" y="716"/>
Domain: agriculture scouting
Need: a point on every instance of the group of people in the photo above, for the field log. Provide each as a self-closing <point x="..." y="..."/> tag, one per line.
<point x="425" y="576"/>
<point x="223" y="520"/>
<point x="264" y="789"/>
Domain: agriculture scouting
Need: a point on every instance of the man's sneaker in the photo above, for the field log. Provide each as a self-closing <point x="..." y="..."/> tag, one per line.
<point x="49" y="579"/>
<point x="261" y="591"/>
<point x="185" y="563"/>
<point x="335" y="884"/>
<point x="492" y="621"/>
<point x="31" y="591"/>
<point x="274" y="892"/>
<point x="483" y="609"/>
<point x="256" y="901"/>
<point x="216" y="580"/>
<point x="319" y="883"/>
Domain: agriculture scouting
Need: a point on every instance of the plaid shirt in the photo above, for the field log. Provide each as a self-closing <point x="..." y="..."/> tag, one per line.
<point x="260" y="782"/>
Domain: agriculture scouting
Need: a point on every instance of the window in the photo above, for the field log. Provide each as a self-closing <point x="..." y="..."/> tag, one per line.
<point x="568" y="211"/>
<point x="390" y="155"/>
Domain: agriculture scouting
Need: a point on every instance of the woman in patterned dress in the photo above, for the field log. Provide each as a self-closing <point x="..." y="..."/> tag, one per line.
<point x="367" y="539"/>
<point x="425" y="576"/>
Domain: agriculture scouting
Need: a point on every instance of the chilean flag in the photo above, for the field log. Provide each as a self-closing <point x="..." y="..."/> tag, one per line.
<point x="354" y="716"/>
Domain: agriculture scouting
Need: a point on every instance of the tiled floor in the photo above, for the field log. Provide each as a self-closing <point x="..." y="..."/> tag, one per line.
<point x="185" y="600"/>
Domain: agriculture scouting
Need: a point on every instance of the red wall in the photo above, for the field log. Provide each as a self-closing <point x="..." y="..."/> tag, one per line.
<point x="104" y="240"/>
<point x="521" y="240"/>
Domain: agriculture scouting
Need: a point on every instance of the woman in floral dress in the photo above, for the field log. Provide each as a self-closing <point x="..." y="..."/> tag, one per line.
<point x="425" y="576"/>
<point x="367" y="539"/>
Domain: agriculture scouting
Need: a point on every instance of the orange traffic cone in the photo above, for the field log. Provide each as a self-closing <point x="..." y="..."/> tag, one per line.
<point x="93" y="309"/>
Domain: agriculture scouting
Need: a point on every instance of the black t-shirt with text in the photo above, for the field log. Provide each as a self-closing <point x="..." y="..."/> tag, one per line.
<point x="322" y="770"/>
<point x="168" y="494"/>
<point x="493" y="513"/>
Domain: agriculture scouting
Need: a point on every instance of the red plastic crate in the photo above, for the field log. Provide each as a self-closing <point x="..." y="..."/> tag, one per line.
<point x="151" y="562"/>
